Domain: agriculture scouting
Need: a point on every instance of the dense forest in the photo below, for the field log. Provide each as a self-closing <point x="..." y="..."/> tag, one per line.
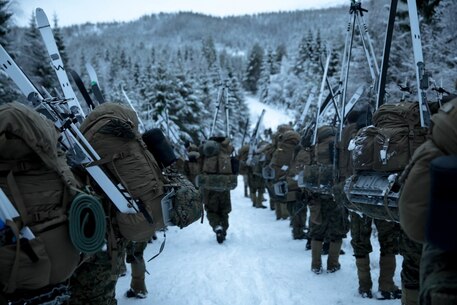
<point x="173" y="66"/>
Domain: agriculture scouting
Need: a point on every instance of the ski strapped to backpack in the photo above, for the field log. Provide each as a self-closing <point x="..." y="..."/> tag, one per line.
<point x="72" y="140"/>
<point x="57" y="64"/>
<point x="82" y="89"/>
<point x="95" y="84"/>
<point x="141" y="126"/>
<point x="253" y="140"/>
<point x="36" y="179"/>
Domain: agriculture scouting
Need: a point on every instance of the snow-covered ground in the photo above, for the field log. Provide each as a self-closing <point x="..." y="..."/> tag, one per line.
<point x="258" y="264"/>
<point x="272" y="117"/>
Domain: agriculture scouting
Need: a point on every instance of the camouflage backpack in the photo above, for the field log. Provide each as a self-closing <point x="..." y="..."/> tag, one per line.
<point x="217" y="171"/>
<point x="282" y="157"/>
<point x="285" y="189"/>
<point x="318" y="177"/>
<point x="243" y="153"/>
<point x="112" y="130"/>
<point x="415" y="193"/>
<point x="186" y="204"/>
<point x="192" y="166"/>
<point x="390" y="143"/>
<point x="37" y="181"/>
<point x="379" y="154"/>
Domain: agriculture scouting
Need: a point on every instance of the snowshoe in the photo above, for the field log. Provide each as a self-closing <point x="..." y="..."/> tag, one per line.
<point x="138" y="295"/>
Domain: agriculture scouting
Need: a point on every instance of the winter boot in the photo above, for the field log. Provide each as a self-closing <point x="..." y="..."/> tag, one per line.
<point x="137" y="286"/>
<point x="308" y="244"/>
<point x="284" y="211"/>
<point x="253" y="199"/>
<point x="316" y="261"/>
<point x="387" y="288"/>
<point x="363" y="273"/>
<point x="259" y="202"/>
<point x="272" y="205"/>
<point x="333" y="263"/>
<point x="220" y="234"/>
<point x="409" y="296"/>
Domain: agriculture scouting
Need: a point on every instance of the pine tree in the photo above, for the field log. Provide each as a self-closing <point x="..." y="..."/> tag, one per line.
<point x="190" y="111"/>
<point x="304" y="54"/>
<point x="238" y="108"/>
<point x="5" y="16"/>
<point x="36" y="61"/>
<point x="253" y="69"/>
<point x="59" y="41"/>
<point x="8" y="91"/>
<point x="209" y="51"/>
<point x="280" y="54"/>
<point x="264" y="81"/>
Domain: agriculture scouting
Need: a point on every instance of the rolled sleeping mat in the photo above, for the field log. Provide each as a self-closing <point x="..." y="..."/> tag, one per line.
<point x="441" y="223"/>
<point x="87" y="223"/>
<point x="159" y="147"/>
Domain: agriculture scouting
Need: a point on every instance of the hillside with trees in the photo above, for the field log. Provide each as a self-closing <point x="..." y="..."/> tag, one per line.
<point x="172" y="66"/>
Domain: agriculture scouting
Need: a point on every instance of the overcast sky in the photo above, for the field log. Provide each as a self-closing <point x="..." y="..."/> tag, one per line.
<point x="81" y="11"/>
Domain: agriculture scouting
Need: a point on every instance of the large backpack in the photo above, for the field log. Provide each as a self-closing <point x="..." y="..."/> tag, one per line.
<point x="282" y="157"/>
<point x="112" y="130"/>
<point x="192" y="164"/>
<point x="243" y="153"/>
<point x="390" y="143"/>
<point x="415" y="193"/>
<point x="318" y="176"/>
<point x="36" y="179"/>
<point x="379" y="154"/>
<point x="285" y="189"/>
<point x="217" y="173"/>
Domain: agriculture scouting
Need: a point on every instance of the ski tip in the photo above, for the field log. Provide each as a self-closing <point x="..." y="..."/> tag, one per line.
<point x="41" y="18"/>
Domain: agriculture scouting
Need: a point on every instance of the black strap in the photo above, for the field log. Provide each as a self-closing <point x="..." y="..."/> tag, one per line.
<point x="161" y="247"/>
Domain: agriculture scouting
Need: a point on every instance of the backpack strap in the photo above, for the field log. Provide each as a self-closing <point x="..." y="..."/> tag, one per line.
<point x="18" y="166"/>
<point x="11" y="286"/>
<point x="58" y="214"/>
<point x="17" y="198"/>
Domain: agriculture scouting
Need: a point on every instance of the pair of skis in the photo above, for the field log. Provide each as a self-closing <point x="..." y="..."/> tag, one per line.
<point x="422" y="77"/>
<point x="72" y="138"/>
<point x="95" y="89"/>
<point x="56" y="62"/>
<point x="65" y="121"/>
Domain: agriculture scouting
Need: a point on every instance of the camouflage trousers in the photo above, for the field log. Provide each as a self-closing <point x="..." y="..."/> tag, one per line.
<point x="280" y="210"/>
<point x="361" y="229"/>
<point x="298" y="211"/>
<point x="217" y="207"/>
<point x="94" y="281"/>
<point x="438" y="276"/>
<point x="134" y="256"/>
<point x="256" y="189"/>
<point x="411" y="252"/>
<point x="329" y="219"/>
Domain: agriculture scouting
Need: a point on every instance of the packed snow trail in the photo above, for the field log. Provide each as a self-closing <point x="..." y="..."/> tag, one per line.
<point x="258" y="264"/>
